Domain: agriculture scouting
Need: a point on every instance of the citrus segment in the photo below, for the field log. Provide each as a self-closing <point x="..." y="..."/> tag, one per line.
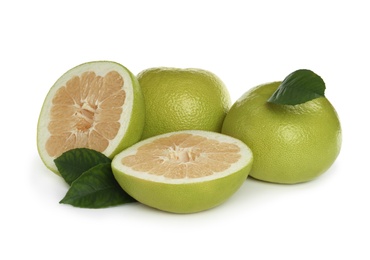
<point x="96" y="105"/>
<point x="184" y="171"/>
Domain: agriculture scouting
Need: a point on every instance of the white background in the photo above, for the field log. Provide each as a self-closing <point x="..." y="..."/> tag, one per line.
<point x="245" y="43"/>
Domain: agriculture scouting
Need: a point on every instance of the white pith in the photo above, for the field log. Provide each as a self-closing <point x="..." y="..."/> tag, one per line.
<point x="244" y="160"/>
<point x="100" y="69"/>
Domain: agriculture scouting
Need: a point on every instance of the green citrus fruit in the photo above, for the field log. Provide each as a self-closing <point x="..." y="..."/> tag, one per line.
<point x="290" y="143"/>
<point x="185" y="171"/>
<point x="182" y="99"/>
<point x="96" y="105"/>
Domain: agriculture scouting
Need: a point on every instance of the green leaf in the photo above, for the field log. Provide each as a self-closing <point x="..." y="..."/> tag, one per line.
<point x="73" y="163"/>
<point x="96" y="188"/>
<point x="299" y="87"/>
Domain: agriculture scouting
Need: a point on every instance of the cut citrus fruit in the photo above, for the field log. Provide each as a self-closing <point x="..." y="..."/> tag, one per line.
<point x="96" y="105"/>
<point x="185" y="171"/>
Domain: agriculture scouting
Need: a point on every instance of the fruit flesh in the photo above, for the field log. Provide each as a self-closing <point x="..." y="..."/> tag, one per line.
<point x="183" y="156"/>
<point x="85" y="113"/>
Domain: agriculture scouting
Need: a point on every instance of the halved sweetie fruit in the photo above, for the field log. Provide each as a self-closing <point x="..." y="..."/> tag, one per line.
<point x="96" y="105"/>
<point x="185" y="171"/>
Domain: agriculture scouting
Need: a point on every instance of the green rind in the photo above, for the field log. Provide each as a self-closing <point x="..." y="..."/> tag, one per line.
<point x="136" y="126"/>
<point x="182" y="198"/>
